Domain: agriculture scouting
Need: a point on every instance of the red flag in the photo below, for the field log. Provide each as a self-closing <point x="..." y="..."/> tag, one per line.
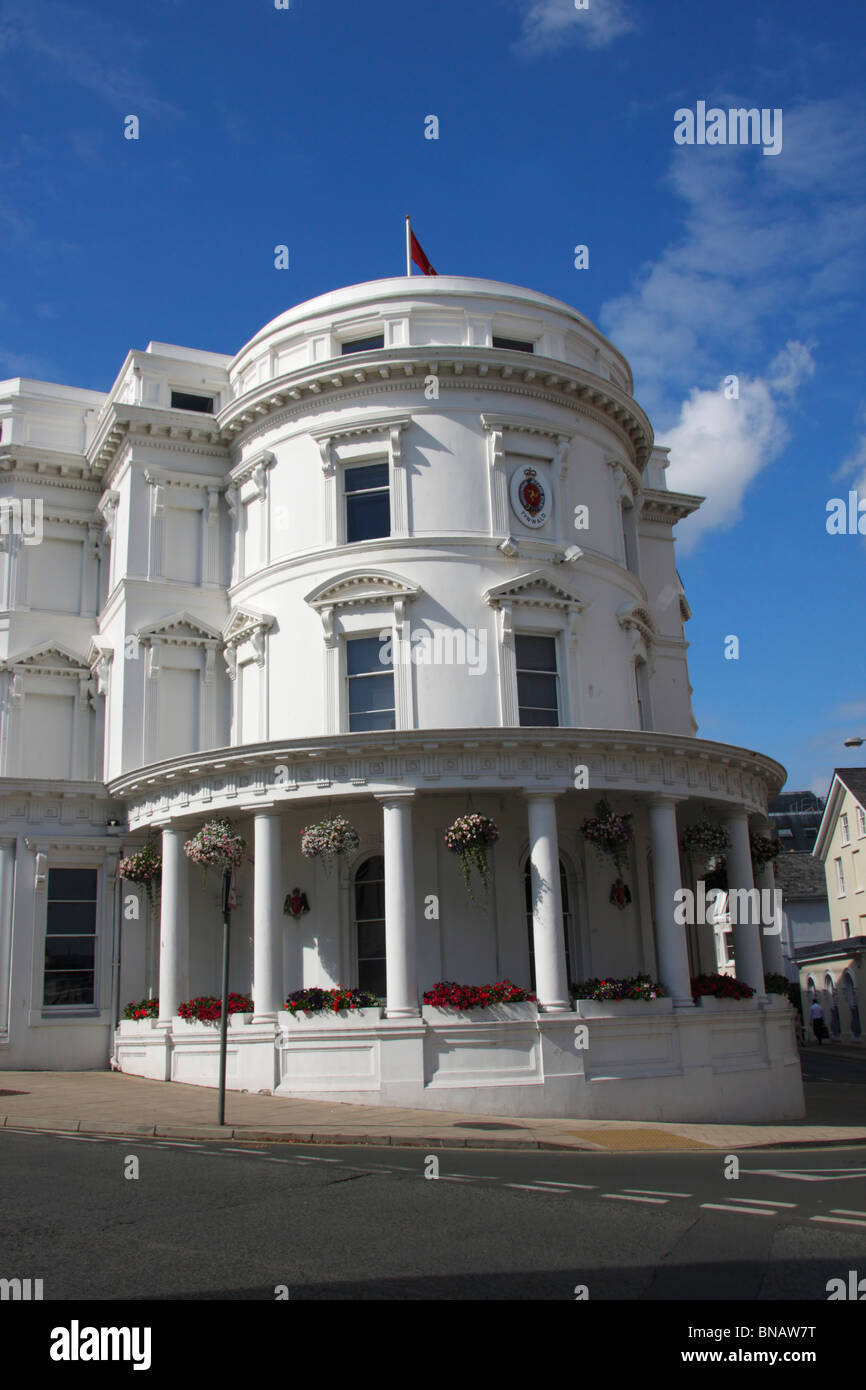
<point x="419" y="256"/>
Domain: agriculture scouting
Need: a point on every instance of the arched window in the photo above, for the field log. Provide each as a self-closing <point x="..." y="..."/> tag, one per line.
<point x="850" y="990"/>
<point x="566" y="919"/>
<point x="833" y="1006"/>
<point x="370" y="924"/>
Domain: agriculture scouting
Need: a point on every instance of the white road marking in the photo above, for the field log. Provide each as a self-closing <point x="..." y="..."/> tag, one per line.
<point x="762" y="1202"/>
<point x="837" y="1220"/>
<point x="811" y="1175"/>
<point x="846" y="1211"/>
<point x="747" y="1211"/>
<point x="619" y="1197"/>
<point x="587" y="1186"/>
<point x="534" y="1187"/>
<point x="258" y="1152"/>
<point x="654" y="1192"/>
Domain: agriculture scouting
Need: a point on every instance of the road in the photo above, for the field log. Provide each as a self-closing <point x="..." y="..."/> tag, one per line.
<point x="229" y="1221"/>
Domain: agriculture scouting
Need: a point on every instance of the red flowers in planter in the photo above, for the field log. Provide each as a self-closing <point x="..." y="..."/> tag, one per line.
<point x="447" y="995"/>
<point x="720" y="987"/>
<point x="207" y="1009"/>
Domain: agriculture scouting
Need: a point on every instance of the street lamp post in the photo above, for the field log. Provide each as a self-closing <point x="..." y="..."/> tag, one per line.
<point x="853" y="742"/>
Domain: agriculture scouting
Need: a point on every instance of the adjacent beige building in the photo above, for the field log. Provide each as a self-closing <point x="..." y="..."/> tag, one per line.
<point x="833" y="971"/>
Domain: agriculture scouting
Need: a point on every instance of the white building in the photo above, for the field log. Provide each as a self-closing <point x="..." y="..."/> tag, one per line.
<point x="229" y="548"/>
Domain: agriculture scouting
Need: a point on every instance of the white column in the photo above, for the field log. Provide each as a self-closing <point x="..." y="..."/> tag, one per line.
<point x="771" y="932"/>
<point x="267" y="917"/>
<point x="7" y="870"/>
<point x="174" y="925"/>
<point x="748" y="963"/>
<point x="400" y="930"/>
<point x="671" y="948"/>
<point x="551" y="982"/>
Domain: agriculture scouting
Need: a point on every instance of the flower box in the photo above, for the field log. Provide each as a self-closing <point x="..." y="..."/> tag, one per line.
<point x="524" y="1012"/>
<point x="712" y="1004"/>
<point x="623" y="1008"/>
<point x="329" y="1018"/>
<point x="239" y="1020"/>
<point x="135" y="1027"/>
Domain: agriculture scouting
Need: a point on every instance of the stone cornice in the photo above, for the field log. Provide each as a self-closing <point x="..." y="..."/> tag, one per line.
<point x="149" y="425"/>
<point x="28" y="464"/>
<point x="445" y="760"/>
<point x="668" y="507"/>
<point x="287" y="397"/>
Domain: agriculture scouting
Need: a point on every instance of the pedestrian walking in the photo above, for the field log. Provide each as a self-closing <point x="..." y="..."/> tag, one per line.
<point x="816" y="1017"/>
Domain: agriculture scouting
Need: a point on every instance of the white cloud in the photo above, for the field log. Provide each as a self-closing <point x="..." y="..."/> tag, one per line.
<point x="855" y="464"/>
<point x="551" y="24"/>
<point x="767" y="246"/>
<point x="720" y="445"/>
<point x="764" y="243"/>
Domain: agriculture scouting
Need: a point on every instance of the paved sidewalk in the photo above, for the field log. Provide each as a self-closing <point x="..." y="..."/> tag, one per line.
<point x="112" y="1103"/>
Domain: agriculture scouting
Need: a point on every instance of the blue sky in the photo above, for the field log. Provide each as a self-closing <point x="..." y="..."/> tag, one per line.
<point x="305" y="126"/>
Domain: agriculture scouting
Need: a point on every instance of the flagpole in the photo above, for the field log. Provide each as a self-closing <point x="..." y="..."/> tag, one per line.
<point x="408" y="248"/>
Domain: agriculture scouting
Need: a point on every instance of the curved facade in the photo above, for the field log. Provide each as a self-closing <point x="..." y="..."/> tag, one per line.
<point x="408" y="553"/>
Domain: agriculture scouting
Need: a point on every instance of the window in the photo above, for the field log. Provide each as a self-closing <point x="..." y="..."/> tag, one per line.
<point x="629" y="538"/>
<point x="368" y="502"/>
<point x="182" y="400"/>
<point x="861" y="822"/>
<point x="641" y="683"/>
<point x="566" y="920"/>
<point x="855" y="861"/>
<point x="370" y="925"/>
<point x="846" y="834"/>
<point x="846" y="927"/>
<point x="537" y="688"/>
<point x="786" y="833"/>
<point x="513" y="344"/>
<point x="70" y="937"/>
<point x="840" y="878"/>
<point x="371" y="685"/>
<point x="363" y="344"/>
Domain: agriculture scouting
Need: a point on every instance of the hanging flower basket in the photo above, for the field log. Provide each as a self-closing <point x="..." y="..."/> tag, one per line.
<point x="705" y="840"/>
<point x="764" y="850"/>
<point x="468" y="838"/>
<point x="216" y="846"/>
<point x="329" y="840"/>
<point x="143" y="867"/>
<point x="610" y="834"/>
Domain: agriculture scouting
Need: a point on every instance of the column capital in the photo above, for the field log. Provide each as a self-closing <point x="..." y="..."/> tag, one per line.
<point x="737" y="815"/>
<point x="386" y="797"/>
<point x="665" y="799"/>
<point x="267" y="808"/>
<point x="541" y="794"/>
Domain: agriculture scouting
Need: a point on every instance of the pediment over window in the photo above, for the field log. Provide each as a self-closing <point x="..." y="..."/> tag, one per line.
<point x="48" y="659"/>
<point x="537" y="590"/>
<point x="636" y="615"/>
<point x="358" y="588"/>
<point x="243" y="623"/>
<point x="179" y="630"/>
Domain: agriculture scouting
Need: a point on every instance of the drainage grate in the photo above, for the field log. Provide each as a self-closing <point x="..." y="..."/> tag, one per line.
<point x="14" y="1093"/>
<point x="476" y="1124"/>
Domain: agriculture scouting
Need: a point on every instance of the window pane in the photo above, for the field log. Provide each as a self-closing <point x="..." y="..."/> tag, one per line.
<point x="371" y="723"/>
<point x="515" y="344"/>
<point x="69" y="953"/>
<point x="539" y="718"/>
<point x="371" y="475"/>
<point x="369" y="901"/>
<point x="535" y="653"/>
<point x="183" y="400"/>
<point x="371" y="869"/>
<point x="368" y="693"/>
<point x="72" y="883"/>
<point x="70" y="919"/>
<point x="364" y="344"/>
<point x="362" y="657"/>
<point x="372" y="977"/>
<point x="371" y="940"/>
<point x="368" y="517"/>
<point x="536" y="692"/>
<point x="69" y="987"/>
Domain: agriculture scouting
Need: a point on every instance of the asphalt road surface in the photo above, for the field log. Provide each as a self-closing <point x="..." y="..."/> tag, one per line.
<point x="217" y="1220"/>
